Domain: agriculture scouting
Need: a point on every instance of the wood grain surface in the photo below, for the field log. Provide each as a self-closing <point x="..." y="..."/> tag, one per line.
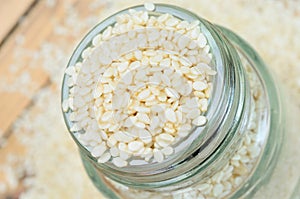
<point x="10" y="13"/>
<point x="29" y="23"/>
<point x="35" y="28"/>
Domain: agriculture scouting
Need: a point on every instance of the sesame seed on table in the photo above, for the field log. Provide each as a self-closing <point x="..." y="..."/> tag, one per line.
<point x="37" y="155"/>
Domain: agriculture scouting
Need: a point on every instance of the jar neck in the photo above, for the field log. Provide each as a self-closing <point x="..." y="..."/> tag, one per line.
<point x="209" y="147"/>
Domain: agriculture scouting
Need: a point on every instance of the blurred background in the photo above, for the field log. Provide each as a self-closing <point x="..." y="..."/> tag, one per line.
<point x="38" y="158"/>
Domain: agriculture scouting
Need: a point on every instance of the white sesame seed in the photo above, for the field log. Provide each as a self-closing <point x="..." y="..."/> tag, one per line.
<point x="104" y="158"/>
<point x="206" y="49"/>
<point x="193" y="24"/>
<point x="123" y="137"/>
<point x="193" y="113"/>
<point x="143" y="109"/>
<point x="200" y="121"/>
<point x="154" y="122"/>
<point x="107" y="88"/>
<point x="170" y="92"/>
<point x="238" y="181"/>
<point x="114" y="152"/>
<point x="211" y="72"/>
<point x="203" y="187"/>
<point x="98" y="150"/>
<point x="103" y="134"/>
<point x="96" y="40"/>
<point x="166" y="137"/>
<point x="201" y="40"/>
<point x="182" y="42"/>
<point x="165" y="79"/>
<point x="124" y="155"/>
<point x="217" y="177"/>
<point x="203" y="104"/>
<point x="143" y="118"/>
<point x="172" y="22"/>
<point x="185" y="62"/>
<point x="170" y="130"/>
<point x="165" y="62"/>
<point x="86" y="52"/>
<point x="127" y="79"/>
<point x="107" y="33"/>
<point x="170" y="115"/>
<point x="135" y="146"/>
<point x="158" y="155"/>
<point x="236" y="157"/>
<point x="122" y="146"/>
<point x="194" y="33"/>
<point x="163" y="17"/>
<point x="75" y="127"/>
<point x="144" y="94"/>
<point x="119" y="162"/>
<point x="162" y="97"/>
<point x="167" y="150"/>
<point x="140" y="125"/>
<point x="138" y="162"/>
<point x="199" y="86"/>
<point x="107" y="116"/>
<point x="111" y="141"/>
<point x="122" y="66"/>
<point x="65" y="105"/>
<point x="149" y="6"/>
<point x="254" y="151"/>
<point x="70" y="71"/>
<point x="218" y="189"/>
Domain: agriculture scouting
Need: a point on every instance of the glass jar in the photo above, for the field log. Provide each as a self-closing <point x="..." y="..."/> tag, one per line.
<point x="233" y="155"/>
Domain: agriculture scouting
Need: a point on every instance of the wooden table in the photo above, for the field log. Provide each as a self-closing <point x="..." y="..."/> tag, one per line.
<point x="25" y="26"/>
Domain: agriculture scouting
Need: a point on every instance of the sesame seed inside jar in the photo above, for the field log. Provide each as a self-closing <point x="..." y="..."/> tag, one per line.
<point x="146" y="104"/>
<point x="140" y="102"/>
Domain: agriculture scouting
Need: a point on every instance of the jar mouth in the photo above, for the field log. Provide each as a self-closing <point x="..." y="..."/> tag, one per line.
<point x="228" y="88"/>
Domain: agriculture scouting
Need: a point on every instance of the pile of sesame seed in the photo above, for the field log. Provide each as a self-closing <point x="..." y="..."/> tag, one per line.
<point x="141" y="88"/>
<point x="235" y="172"/>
